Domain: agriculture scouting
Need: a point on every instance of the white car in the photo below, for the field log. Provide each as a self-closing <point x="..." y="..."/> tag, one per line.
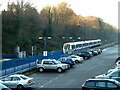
<point x="115" y="68"/>
<point x="51" y="64"/>
<point x="114" y="74"/>
<point x="18" y="81"/>
<point x="76" y="58"/>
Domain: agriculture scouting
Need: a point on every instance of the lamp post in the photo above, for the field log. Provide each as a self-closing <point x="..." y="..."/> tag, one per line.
<point x="79" y="38"/>
<point x="44" y="39"/>
<point x="67" y="38"/>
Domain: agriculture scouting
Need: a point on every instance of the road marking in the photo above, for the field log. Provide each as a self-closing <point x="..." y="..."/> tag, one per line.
<point x="51" y="81"/>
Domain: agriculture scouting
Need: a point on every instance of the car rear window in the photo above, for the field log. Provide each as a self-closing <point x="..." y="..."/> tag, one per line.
<point x="73" y="57"/>
<point x="24" y="77"/>
<point x="39" y="61"/>
<point x="90" y="84"/>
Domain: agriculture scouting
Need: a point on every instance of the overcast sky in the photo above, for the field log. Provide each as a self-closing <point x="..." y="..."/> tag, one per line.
<point x="105" y="9"/>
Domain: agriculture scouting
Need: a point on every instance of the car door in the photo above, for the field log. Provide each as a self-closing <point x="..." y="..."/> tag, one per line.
<point x="14" y="81"/>
<point x="52" y="65"/>
<point x="7" y="81"/>
<point x="101" y="85"/>
<point x="46" y="64"/>
<point x="63" y="60"/>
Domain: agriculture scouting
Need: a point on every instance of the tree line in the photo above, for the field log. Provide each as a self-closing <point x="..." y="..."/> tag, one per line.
<point x="22" y="25"/>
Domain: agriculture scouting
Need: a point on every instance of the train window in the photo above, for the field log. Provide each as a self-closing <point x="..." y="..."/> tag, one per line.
<point x="73" y="46"/>
<point x="87" y="44"/>
<point x="67" y="46"/>
<point x="83" y="44"/>
<point x="80" y="45"/>
<point x="90" y="43"/>
<point x="77" y="46"/>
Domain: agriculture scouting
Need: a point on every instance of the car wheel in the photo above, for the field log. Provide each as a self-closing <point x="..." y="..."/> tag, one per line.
<point x="68" y="66"/>
<point x="85" y="58"/>
<point x="20" y="87"/>
<point x="41" y="69"/>
<point x="77" y="61"/>
<point x="59" y="70"/>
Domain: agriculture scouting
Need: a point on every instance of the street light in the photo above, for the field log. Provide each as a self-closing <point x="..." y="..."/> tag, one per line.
<point x="45" y="38"/>
<point x="67" y="38"/>
<point x="79" y="38"/>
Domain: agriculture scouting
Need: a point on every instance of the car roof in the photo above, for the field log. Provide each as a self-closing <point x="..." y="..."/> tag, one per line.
<point x="47" y="59"/>
<point x="98" y="79"/>
<point x="116" y="70"/>
<point x="17" y="75"/>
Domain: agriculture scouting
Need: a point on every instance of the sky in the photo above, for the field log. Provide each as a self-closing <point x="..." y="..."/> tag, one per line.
<point x="104" y="9"/>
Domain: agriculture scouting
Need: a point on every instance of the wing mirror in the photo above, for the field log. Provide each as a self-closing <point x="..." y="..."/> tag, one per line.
<point x="110" y="76"/>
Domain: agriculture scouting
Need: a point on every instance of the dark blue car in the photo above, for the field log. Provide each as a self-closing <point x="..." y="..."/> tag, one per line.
<point x="66" y="60"/>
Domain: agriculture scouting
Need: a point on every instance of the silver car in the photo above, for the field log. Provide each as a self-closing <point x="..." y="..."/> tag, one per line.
<point x="18" y="81"/>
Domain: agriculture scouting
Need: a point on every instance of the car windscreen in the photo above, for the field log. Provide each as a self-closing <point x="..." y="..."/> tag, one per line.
<point x="90" y="84"/>
<point x="73" y="57"/>
<point x="56" y="62"/>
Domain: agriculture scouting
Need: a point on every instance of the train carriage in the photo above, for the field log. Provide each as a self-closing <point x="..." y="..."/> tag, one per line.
<point x="72" y="46"/>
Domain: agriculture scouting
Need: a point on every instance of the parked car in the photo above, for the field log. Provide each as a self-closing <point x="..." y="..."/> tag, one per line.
<point x="118" y="59"/>
<point x="76" y="58"/>
<point x="94" y="52"/>
<point x="85" y="55"/>
<point x="114" y="68"/>
<point x="51" y="64"/>
<point x="101" y="84"/>
<point x="99" y="50"/>
<point x="18" y="81"/>
<point x="3" y="87"/>
<point x="67" y="60"/>
<point x="115" y="74"/>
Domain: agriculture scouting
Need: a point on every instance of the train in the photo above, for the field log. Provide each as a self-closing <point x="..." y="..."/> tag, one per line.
<point x="73" y="46"/>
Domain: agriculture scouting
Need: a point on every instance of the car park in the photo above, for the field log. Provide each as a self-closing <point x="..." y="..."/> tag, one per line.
<point x="101" y="84"/>
<point x="85" y="55"/>
<point x="18" y="81"/>
<point x="67" y="60"/>
<point x="76" y="58"/>
<point x="51" y="64"/>
<point x="114" y="74"/>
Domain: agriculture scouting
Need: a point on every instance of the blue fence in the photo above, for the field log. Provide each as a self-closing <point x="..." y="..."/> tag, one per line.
<point x="9" y="56"/>
<point x="16" y="65"/>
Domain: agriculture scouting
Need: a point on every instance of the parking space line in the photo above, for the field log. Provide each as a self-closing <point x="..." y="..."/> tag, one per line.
<point x="51" y="81"/>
